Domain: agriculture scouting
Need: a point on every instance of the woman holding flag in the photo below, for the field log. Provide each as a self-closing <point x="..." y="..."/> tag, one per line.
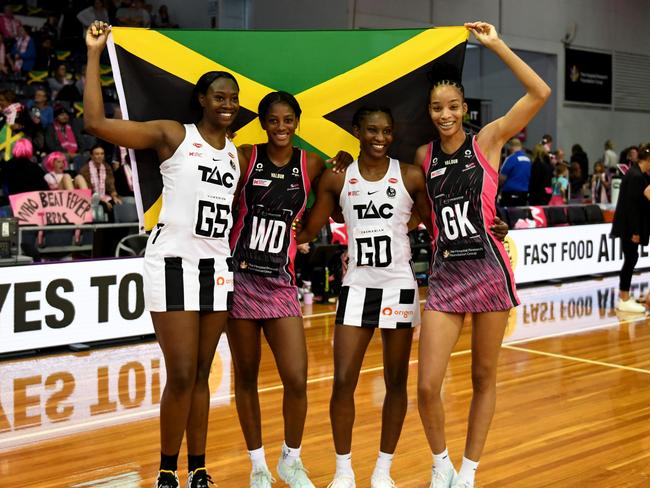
<point x="187" y="273"/>
<point x="470" y="270"/>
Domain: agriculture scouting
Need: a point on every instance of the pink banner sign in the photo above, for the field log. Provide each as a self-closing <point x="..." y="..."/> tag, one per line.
<point x="52" y="207"/>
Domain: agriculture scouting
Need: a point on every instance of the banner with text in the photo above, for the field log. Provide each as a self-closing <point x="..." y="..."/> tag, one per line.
<point x="46" y="305"/>
<point x="564" y="252"/>
<point x="587" y="76"/>
<point x="52" y="207"/>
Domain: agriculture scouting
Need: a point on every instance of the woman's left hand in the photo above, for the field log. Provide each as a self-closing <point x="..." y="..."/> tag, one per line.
<point x="499" y="228"/>
<point x="485" y="33"/>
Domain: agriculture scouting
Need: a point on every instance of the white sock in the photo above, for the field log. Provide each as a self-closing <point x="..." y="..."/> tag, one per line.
<point x="442" y="461"/>
<point x="384" y="461"/>
<point x="468" y="470"/>
<point x="258" y="460"/>
<point x="290" y="454"/>
<point x="344" y="464"/>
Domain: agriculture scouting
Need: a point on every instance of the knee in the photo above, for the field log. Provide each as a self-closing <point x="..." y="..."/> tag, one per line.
<point x="296" y="384"/>
<point x="484" y="379"/>
<point x="395" y="381"/>
<point x="180" y="380"/>
<point x="246" y="376"/>
<point x="203" y="374"/>
<point x="345" y="383"/>
<point x="428" y="392"/>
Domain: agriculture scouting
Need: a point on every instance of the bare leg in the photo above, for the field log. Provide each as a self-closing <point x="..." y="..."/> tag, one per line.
<point x="439" y="334"/>
<point x="487" y="335"/>
<point x="245" y="345"/>
<point x="212" y="324"/>
<point x="350" y="344"/>
<point x="286" y="337"/>
<point x="397" y="349"/>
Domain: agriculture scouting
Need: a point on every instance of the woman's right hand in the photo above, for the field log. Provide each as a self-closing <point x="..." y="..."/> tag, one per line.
<point x="96" y="35"/>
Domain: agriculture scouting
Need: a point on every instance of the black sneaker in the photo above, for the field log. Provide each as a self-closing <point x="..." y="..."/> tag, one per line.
<point x="167" y="479"/>
<point x="199" y="478"/>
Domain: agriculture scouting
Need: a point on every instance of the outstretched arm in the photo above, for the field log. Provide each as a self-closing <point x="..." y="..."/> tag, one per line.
<point x="164" y="136"/>
<point x="329" y="189"/>
<point x="494" y="135"/>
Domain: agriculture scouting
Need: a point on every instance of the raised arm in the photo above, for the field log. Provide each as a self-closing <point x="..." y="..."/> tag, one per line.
<point x="327" y="195"/>
<point x="164" y="136"/>
<point x="494" y="135"/>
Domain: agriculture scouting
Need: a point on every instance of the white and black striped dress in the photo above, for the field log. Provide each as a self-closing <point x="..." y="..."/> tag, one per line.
<point x="379" y="288"/>
<point x="187" y="265"/>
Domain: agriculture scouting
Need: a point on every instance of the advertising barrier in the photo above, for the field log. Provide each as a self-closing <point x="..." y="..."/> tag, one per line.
<point x="566" y="252"/>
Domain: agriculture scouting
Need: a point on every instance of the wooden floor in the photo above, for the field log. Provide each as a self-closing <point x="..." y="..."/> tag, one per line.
<point x="573" y="406"/>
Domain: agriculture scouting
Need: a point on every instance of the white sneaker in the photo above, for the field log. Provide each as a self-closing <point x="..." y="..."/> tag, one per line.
<point x="167" y="479"/>
<point x="630" y="305"/>
<point x="442" y="479"/>
<point x="294" y="474"/>
<point x="381" y="480"/>
<point x="459" y="483"/>
<point x="342" y="481"/>
<point x="261" y="478"/>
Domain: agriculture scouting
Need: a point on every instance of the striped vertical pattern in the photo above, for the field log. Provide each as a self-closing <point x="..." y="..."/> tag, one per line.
<point x="206" y="285"/>
<point x="174" y="289"/>
<point x="383" y="308"/>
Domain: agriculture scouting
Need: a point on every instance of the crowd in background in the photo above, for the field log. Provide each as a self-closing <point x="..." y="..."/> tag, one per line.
<point x="42" y="77"/>
<point x="543" y="176"/>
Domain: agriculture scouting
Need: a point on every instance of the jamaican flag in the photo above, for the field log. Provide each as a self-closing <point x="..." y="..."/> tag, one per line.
<point x="331" y="73"/>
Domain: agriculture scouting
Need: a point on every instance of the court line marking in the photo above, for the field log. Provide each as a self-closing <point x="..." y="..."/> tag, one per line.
<point x="146" y="413"/>
<point x="577" y="359"/>
<point x="88" y="425"/>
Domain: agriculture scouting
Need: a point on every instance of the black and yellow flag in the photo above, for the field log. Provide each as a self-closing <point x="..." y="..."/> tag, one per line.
<point x="331" y="74"/>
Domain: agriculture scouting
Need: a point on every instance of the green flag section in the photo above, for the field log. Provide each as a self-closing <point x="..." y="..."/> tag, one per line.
<point x="331" y="74"/>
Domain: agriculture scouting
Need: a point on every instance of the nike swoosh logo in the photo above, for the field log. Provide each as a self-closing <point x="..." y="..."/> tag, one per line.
<point x="372" y="192"/>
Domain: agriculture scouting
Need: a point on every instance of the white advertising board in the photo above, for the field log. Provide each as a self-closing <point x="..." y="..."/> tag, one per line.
<point x="563" y="252"/>
<point x="47" y="305"/>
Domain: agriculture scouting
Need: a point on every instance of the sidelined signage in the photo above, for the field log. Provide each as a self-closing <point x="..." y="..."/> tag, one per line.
<point x="587" y="77"/>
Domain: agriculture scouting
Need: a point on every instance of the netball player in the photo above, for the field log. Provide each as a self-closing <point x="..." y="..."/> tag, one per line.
<point x="376" y="195"/>
<point x="470" y="271"/>
<point x="187" y="280"/>
<point x="274" y="195"/>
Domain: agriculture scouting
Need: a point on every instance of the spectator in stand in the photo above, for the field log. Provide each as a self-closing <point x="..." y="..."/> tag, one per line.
<point x="42" y="104"/>
<point x="559" y="156"/>
<point x="547" y="142"/>
<point x="600" y="183"/>
<point x="632" y="225"/>
<point x="629" y="156"/>
<point x="129" y="16"/>
<point x="579" y="156"/>
<point x="560" y="185"/>
<point x="515" y="176"/>
<point x="23" y="52"/>
<point x="45" y="55"/>
<point x="57" y="179"/>
<point x="162" y="19"/>
<point x="58" y="80"/>
<point x="610" y="158"/>
<point x="9" y="24"/>
<point x="142" y="12"/>
<point x="51" y="27"/>
<point x="21" y="174"/>
<point x="97" y="175"/>
<point x="122" y="172"/>
<point x="62" y="135"/>
<point x="15" y="114"/>
<point x="576" y="182"/>
<point x="541" y="175"/>
<point x="97" y="11"/>
<point x="81" y="82"/>
<point x="4" y="67"/>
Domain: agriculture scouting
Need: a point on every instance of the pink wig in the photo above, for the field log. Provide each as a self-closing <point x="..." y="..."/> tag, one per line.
<point x="23" y="149"/>
<point x="48" y="162"/>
